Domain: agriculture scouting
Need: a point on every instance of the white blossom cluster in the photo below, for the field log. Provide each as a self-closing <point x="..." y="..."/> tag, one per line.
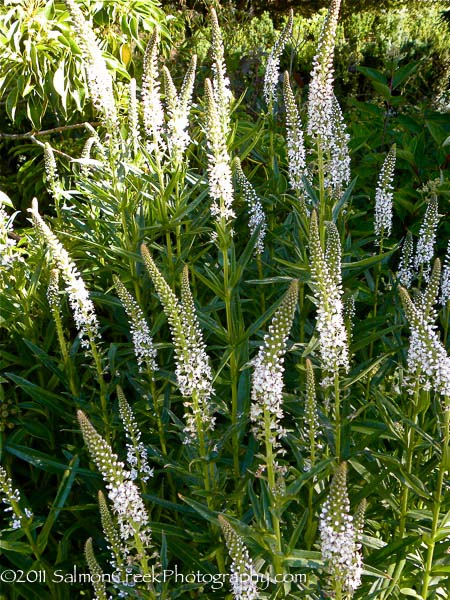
<point x="428" y="361"/>
<point x="144" y="348"/>
<point x="339" y="537"/>
<point x="10" y="497"/>
<point x="98" y="77"/>
<point x="257" y="216"/>
<point x="80" y="302"/>
<point x="328" y="294"/>
<point x="136" y="451"/>
<point x="267" y="382"/>
<point x="427" y="236"/>
<point x="178" y="108"/>
<point x="295" y="146"/>
<point x="193" y="371"/>
<point x="273" y="62"/>
<point x="406" y="271"/>
<point x="127" y="503"/>
<point x="219" y="170"/>
<point x="445" y="281"/>
<point x="384" y="197"/>
<point x="153" y="113"/>
<point x="243" y="575"/>
<point x="320" y="98"/>
<point x="337" y="167"/>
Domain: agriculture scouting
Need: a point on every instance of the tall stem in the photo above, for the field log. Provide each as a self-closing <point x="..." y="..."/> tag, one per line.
<point x="337" y="417"/>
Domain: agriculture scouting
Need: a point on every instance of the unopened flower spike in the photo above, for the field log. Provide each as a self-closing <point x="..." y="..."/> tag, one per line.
<point x="99" y="80"/>
<point x="320" y="98"/>
<point x="328" y="293"/>
<point x="153" y="113"/>
<point x="311" y="414"/>
<point x="97" y="576"/>
<point x="137" y="459"/>
<point x="427" y="236"/>
<point x="243" y="576"/>
<point x="80" y="302"/>
<point x="295" y="146"/>
<point x="428" y="361"/>
<point x="144" y="348"/>
<point x="257" y="216"/>
<point x="273" y="63"/>
<point x="384" y="197"/>
<point x="266" y="410"/>
<point x="123" y="493"/>
<point x="406" y="272"/>
<point x="117" y="549"/>
<point x="51" y="172"/>
<point x="339" y="544"/>
<point x="445" y="283"/>
<point x="219" y="170"/>
<point x="220" y="82"/>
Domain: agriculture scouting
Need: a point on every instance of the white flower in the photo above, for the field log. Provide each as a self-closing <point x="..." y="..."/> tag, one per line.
<point x="339" y="538"/>
<point x="328" y="293"/>
<point x="320" y="98"/>
<point x="384" y="196"/>
<point x="80" y="302"/>
<point x="220" y="83"/>
<point x="243" y="575"/>
<point x="219" y="170"/>
<point x="445" y="283"/>
<point x="266" y="410"/>
<point x="273" y="62"/>
<point x="337" y="167"/>
<point x="405" y="272"/>
<point x="153" y="112"/>
<point x="427" y="236"/>
<point x="143" y="343"/>
<point x="295" y="145"/>
<point x="11" y="496"/>
<point x="257" y="216"/>
<point x="99" y="79"/>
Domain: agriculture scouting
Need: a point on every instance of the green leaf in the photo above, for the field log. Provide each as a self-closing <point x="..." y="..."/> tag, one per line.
<point x="403" y="73"/>
<point x="373" y="74"/>
<point x="11" y="103"/>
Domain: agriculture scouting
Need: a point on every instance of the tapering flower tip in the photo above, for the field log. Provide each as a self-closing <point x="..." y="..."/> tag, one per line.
<point x="144" y="349"/>
<point x="51" y="171"/>
<point x="427" y="236"/>
<point x="406" y="272"/>
<point x="127" y="503"/>
<point x="220" y="83"/>
<point x="80" y="302"/>
<point x="53" y="291"/>
<point x="96" y="572"/>
<point x="100" y="82"/>
<point x="267" y="382"/>
<point x="243" y="576"/>
<point x="137" y="458"/>
<point x="311" y="415"/>
<point x="153" y="114"/>
<point x="338" y="535"/>
<point x="338" y="164"/>
<point x="220" y="177"/>
<point x="257" y="216"/>
<point x="320" y="98"/>
<point x="273" y="63"/>
<point x="358" y="520"/>
<point x="295" y="145"/>
<point x="133" y="113"/>
<point x="384" y="197"/>
<point x="445" y="283"/>
<point x="112" y="538"/>
<point x="428" y="361"/>
<point x="429" y="297"/>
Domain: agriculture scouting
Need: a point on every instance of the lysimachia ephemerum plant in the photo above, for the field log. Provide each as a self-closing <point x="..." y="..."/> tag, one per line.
<point x="272" y="74"/>
<point x="384" y="198"/>
<point x="243" y="575"/>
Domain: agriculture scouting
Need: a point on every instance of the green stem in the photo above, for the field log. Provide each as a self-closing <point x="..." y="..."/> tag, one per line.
<point x="337" y="417"/>
<point x="443" y="469"/>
